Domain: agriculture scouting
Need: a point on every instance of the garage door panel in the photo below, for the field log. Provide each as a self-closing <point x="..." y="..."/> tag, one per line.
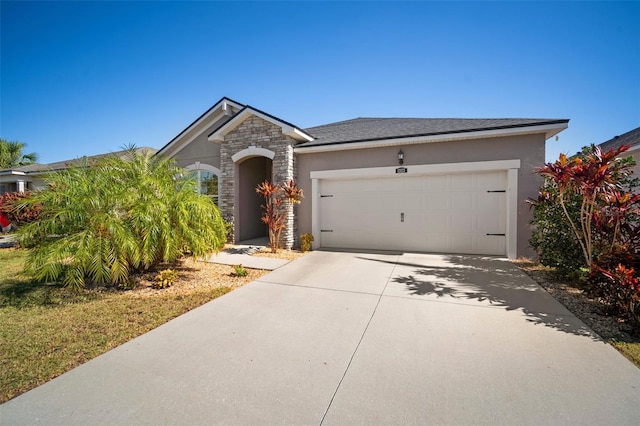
<point x="490" y="181"/>
<point x="491" y="202"/>
<point x="463" y="182"/>
<point x="437" y="221"/>
<point x="463" y="200"/>
<point x="438" y="201"/>
<point x="437" y="183"/>
<point x="442" y="213"/>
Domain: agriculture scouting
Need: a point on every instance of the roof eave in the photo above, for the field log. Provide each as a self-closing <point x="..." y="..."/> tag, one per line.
<point x="549" y="130"/>
<point x="287" y="128"/>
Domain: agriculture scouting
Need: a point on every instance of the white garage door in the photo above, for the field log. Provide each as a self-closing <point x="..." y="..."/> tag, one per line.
<point x="447" y="213"/>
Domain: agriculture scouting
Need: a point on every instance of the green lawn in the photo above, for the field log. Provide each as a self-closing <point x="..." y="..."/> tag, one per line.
<point x="47" y="330"/>
<point x="629" y="349"/>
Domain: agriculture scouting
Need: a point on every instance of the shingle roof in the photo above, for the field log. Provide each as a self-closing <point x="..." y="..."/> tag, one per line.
<point x="371" y="129"/>
<point x="632" y="138"/>
<point x="59" y="165"/>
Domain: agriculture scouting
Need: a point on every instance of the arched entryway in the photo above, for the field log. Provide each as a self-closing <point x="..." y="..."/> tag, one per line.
<point x="251" y="172"/>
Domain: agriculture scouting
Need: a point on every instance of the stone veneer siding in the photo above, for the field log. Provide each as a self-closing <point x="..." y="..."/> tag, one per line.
<point x="254" y="131"/>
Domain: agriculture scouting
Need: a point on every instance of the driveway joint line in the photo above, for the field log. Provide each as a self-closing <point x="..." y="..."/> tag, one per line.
<point x="320" y="288"/>
<point x="358" y="345"/>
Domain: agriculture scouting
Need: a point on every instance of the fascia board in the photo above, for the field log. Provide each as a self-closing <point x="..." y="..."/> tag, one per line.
<point x="293" y="132"/>
<point x="12" y="173"/>
<point x="548" y="129"/>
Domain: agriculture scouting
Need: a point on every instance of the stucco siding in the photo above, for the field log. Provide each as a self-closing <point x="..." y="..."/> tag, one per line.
<point x="199" y="149"/>
<point x="529" y="149"/>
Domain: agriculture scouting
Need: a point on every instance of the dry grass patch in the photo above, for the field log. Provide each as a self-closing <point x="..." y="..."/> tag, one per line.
<point x="281" y="254"/>
<point x="48" y="330"/>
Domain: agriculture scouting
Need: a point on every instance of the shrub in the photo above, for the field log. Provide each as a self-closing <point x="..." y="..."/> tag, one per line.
<point x="305" y="242"/>
<point x="165" y="278"/>
<point x="552" y="236"/>
<point x="239" y="271"/>
<point x="618" y="285"/>
<point x="589" y="200"/>
<point x="102" y="221"/>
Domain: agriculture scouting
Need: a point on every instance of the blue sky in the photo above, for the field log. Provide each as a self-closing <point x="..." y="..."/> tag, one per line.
<point x="83" y="78"/>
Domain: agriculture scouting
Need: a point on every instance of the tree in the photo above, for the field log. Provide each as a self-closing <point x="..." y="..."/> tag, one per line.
<point x="102" y="221"/>
<point x="11" y="154"/>
<point x="275" y="208"/>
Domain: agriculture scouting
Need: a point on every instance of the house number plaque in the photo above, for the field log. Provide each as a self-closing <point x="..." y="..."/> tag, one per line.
<point x="401" y="170"/>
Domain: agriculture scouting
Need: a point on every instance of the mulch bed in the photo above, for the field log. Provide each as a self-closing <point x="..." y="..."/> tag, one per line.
<point x="575" y="300"/>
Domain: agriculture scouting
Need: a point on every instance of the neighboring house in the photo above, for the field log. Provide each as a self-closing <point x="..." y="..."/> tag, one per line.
<point x="32" y="176"/>
<point x="434" y="185"/>
<point x="631" y="138"/>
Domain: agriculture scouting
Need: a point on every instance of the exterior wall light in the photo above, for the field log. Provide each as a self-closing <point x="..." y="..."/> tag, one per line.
<point x="400" y="157"/>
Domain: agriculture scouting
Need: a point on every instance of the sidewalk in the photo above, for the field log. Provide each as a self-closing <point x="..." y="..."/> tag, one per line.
<point x="241" y="254"/>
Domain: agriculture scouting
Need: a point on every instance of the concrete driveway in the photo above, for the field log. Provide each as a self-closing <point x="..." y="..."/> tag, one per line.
<point x="356" y="338"/>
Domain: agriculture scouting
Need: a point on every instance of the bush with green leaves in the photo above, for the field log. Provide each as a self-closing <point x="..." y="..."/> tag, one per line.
<point x="589" y="208"/>
<point x="165" y="278"/>
<point x="104" y="220"/>
<point x="552" y="236"/>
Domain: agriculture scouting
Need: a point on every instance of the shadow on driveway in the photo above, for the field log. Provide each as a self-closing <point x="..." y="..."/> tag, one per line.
<point x="484" y="281"/>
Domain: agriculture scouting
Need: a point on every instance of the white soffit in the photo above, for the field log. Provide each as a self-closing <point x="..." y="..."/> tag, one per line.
<point x="549" y="130"/>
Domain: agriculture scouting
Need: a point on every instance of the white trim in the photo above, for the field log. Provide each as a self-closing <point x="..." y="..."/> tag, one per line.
<point x="315" y="213"/>
<point x="200" y="166"/>
<point x="424" y="169"/>
<point x="510" y="166"/>
<point x="291" y="131"/>
<point x="512" y="213"/>
<point x="253" y="151"/>
<point x="548" y="129"/>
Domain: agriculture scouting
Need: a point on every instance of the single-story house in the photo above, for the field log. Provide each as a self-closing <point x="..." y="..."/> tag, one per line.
<point x="444" y="185"/>
<point x="631" y="138"/>
<point x="32" y="176"/>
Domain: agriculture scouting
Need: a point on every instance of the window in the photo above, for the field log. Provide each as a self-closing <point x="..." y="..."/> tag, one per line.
<point x="206" y="178"/>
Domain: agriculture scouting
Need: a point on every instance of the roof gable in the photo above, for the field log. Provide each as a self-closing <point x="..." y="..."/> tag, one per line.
<point x="224" y="107"/>
<point x="287" y="128"/>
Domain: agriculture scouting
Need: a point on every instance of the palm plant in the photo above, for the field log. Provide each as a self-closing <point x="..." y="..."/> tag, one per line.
<point x="11" y="154"/>
<point x="102" y="221"/>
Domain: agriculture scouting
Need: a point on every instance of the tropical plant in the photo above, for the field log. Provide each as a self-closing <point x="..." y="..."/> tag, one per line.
<point x="588" y="205"/>
<point x="593" y="176"/>
<point x="102" y="221"/>
<point x="276" y="207"/>
<point x="11" y="154"/>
